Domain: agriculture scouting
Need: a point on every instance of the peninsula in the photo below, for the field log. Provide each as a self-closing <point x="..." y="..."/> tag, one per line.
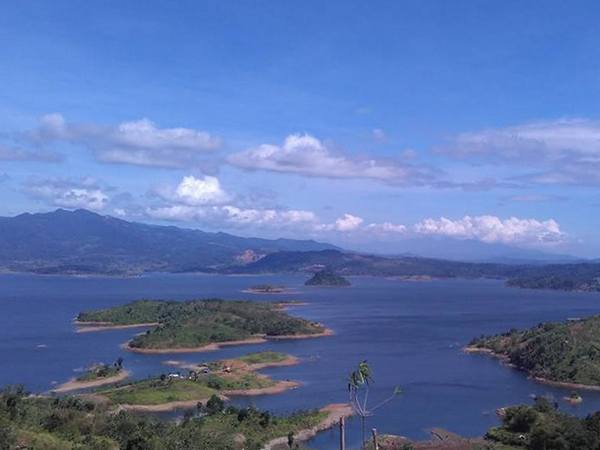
<point x="237" y="376"/>
<point x="566" y="353"/>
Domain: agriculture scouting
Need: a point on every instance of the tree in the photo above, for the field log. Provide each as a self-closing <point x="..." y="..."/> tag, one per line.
<point x="359" y="383"/>
<point x="214" y="405"/>
<point x="119" y="363"/>
<point x="290" y="437"/>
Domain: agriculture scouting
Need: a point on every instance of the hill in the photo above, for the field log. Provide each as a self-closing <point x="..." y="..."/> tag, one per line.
<point x="566" y="352"/>
<point x="327" y="278"/>
<point x="85" y="242"/>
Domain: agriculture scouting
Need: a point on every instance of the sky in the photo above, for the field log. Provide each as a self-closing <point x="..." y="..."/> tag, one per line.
<point x="366" y="124"/>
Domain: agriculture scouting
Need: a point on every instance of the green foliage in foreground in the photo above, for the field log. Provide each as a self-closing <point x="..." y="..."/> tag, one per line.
<point x="542" y="427"/>
<point x="69" y="423"/>
<point x="565" y="352"/>
<point x="200" y="322"/>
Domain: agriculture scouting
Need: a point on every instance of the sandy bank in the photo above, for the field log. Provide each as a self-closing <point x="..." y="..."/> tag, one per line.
<point x="327" y="332"/>
<point x="74" y="385"/>
<point x="334" y="412"/>
<point x="87" y="327"/>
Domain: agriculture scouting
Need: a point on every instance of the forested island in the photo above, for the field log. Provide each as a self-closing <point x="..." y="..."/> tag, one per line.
<point x="200" y="325"/>
<point x="327" y="278"/>
<point x="566" y="353"/>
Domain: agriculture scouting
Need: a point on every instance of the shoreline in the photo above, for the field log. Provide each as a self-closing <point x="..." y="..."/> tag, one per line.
<point x="217" y="345"/>
<point x="335" y="411"/>
<point x="74" y="385"/>
<point x="504" y="360"/>
<point x="88" y="327"/>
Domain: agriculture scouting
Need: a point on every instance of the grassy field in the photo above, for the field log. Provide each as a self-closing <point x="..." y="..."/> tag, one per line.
<point x="264" y="358"/>
<point x="156" y="392"/>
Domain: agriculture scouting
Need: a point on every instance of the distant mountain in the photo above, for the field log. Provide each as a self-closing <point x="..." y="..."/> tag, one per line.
<point x="467" y="250"/>
<point x="85" y="242"/>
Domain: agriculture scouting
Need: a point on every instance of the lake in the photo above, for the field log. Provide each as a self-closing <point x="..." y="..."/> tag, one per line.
<point x="411" y="333"/>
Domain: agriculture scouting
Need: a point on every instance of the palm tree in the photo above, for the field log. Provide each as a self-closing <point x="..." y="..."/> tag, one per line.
<point x="359" y="383"/>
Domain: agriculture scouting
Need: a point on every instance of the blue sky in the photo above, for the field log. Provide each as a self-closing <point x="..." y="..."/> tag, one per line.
<point x="362" y="123"/>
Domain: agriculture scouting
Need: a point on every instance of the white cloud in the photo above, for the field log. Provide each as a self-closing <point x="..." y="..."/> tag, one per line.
<point x="234" y="216"/>
<point x="387" y="227"/>
<point x="565" y="151"/>
<point x="307" y="155"/>
<point x="84" y="193"/>
<point x="348" y="222"/>
<point x="200" y="191"/>
<point x="493" y="229"/>
<point x="138" y="142"/>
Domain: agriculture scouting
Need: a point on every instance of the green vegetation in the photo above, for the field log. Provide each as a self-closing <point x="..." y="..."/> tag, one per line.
<point x="562" y="352"/>
<point x="69" y="423"/>
<point x="221" y="376"/>
<point x="156" y="392"/>
<point x="264" y="358"/>
<point x="543" y="427"/>
<point x="327" y="278"/>
<point x="101" y="371"/>
<point x="201" y="322"/>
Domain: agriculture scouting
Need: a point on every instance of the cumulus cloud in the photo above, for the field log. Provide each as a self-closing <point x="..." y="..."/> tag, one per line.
<point x="387" y="227"/>
<point x="200" y="191"/>
<point x="307" y="155"/>
<point x="233" y="215"/>
<point x="139" y="142"/>
<point x="563" y="151"/>
<point x="85" y="193"/>
<point x="493" y="229"/>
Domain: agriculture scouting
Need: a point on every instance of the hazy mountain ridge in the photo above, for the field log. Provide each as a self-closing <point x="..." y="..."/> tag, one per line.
<point x="85" y="242"/>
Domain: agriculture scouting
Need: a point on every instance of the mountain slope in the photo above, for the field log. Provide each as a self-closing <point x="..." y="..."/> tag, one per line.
<point x="85" y="242"/>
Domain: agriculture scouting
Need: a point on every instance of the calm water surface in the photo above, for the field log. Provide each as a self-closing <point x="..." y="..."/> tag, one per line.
<point x="410" y="332"/>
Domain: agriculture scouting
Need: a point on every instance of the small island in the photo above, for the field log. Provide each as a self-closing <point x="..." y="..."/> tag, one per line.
<point x="565" y="354"/>
<point x="237" y="376"/>
<point x="266" y="289"/>
<point x="203" y="325"/>
<point x="327" y="277"/>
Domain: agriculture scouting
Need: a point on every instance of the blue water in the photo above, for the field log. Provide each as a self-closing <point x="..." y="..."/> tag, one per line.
<point x="410" y="332"/>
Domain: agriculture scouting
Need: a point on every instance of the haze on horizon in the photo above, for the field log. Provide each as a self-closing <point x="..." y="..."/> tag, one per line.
<point x="365" y="125"/>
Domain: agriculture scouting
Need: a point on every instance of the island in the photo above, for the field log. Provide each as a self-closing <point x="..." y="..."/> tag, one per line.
<point x="227" y="377"/>
<point x="35" y="422"/>
<point x="565" y="354"/>
<point x="203" y="325"/>
<point x="97" y="375"/>
<point x="266" y="289"/>
<point x="327" y="277"/>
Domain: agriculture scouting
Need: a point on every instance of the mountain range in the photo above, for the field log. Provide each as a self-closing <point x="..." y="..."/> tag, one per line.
<point x="81" y="241"/>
